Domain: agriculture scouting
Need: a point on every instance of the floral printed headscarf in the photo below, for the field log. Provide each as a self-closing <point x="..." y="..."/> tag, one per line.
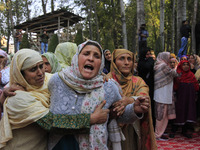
<point x="73" y="78"/>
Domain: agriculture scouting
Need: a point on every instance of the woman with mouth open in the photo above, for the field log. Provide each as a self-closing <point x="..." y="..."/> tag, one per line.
<point x="80" y="89"/>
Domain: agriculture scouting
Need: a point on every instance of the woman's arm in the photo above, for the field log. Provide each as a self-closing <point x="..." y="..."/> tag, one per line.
<point x="73" y="124"/>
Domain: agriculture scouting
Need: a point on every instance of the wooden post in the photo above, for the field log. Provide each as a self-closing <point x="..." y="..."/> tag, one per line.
<point x="67" y="30"/>
<point x="58" y="29"/>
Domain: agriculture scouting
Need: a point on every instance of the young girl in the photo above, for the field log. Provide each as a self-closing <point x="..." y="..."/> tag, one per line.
<point x="186" y="86"/>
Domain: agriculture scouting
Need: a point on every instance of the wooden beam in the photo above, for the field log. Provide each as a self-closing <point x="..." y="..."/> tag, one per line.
<point x="46" y="26"/>
<point x="56" y="28"/>
<point x="42" y="20"/>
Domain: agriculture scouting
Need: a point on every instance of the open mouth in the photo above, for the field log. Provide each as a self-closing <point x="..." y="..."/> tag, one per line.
<point x="89" y="67"/>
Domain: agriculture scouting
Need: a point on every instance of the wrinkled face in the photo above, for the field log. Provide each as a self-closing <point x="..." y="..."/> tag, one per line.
<point x="89" y="61"/>
<point x="35" y="75"/>
<point x="172" y="63"/>
<point x="46" y="65"/>
<point x="191" y="59"/>
<point x="124" y="63"/>
<point x="108" y="55"/>
<point x="185" y="66"/>
<point x="183" y="58"/>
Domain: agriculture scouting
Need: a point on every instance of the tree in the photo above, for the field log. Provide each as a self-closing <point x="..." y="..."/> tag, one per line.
<point x="79" y="37"/>
<point x="25" y="42"/>
<point x="140" y="14"/>
<point x="53" y="43"/>
<point x="44" y="3"/>
<point x="193" y="26"/>
<point x="123" y="24"/>
<point x="162" y="19"/>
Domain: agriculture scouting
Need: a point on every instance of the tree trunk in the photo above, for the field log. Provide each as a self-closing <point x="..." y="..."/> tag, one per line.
<point x="44" y="7"/>
<point x="179" y="22"/>
<point x="97" y="22"/>
<point x="140" y="18"/>
<point x="52" y="6"/>
<point x="123" y="24"/>
<point x="27" y="10"/>
<point x="184" y="4"/>
<point x="89" y="19"/>
<point x="173" y="26"/>
<point x="162" y="18"/>
<point x="193" y="26"/>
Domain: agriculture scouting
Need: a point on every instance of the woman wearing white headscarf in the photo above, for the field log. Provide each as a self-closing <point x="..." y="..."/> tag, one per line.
<point x="163" y="90"/>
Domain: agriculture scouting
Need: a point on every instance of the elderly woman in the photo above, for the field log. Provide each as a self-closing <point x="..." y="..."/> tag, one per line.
<point x="80" y="88"/>
<point x="139" y="135"/>
<point x="24" y="112"/>
<point x="51" y="63"/>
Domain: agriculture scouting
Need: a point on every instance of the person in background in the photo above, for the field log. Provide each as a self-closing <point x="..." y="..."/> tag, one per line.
<point x="18" y="38"/>
<point x="4" y="43"/>
<point x="172" y="55"/>
<point x="173" y="63"/>
<point x="197" y="126"/>
<point x="183" y="57"/>
<point x="163" y="90"/>
<point x="64" y="53"/>
<point x="146" y="72"/>
<point x="197" y="37"/>
<point x="186" y="86"/>
<point x="51" y="63"/>
<point x="143" y="35"/>
<point x="107" y="56"/>
<point x="185" y="33"/>
<point x="153" y="55"/>
<point x="4" y="69"/>
<point x="194" y="61"/>
<point x="44" y="41"/>
<point x="140" y="134"/>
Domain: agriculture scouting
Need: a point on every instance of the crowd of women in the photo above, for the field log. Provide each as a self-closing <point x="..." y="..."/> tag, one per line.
<point x="83" y="97"/>
<point x="173" y="84"/>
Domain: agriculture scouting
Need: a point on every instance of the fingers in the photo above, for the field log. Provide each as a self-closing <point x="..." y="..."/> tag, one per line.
<point x="102" y="104"/>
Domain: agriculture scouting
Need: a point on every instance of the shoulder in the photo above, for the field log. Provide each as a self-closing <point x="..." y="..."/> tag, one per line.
<point x="21" y="97"/>
<point x="111" y="84"/>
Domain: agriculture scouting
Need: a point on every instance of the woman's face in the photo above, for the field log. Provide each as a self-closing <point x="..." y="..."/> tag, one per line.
<point x="124" y="63"/>
<point x="172" y="63"/>
<point x="89" y="61"/>
<point x="35" y="75"/>
<point x="46" y="65"/>
<point x="148" y="54"/>
<point x="185" y="66"/>
<point x="108" y="55"/>
<point x="183" y="58"/>
<point x="191" y="59"/>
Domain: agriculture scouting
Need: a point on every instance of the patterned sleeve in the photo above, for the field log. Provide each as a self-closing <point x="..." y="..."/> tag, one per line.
<point x="5" y="75"/>
<point x="71" y="124"/>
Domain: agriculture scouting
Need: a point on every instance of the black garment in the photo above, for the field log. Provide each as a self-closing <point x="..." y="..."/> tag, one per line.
<point x="197" y="37"/>
<point x="106" y="69"/>
<point x="146" y="72"/>
<point x="185" y="31"/>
